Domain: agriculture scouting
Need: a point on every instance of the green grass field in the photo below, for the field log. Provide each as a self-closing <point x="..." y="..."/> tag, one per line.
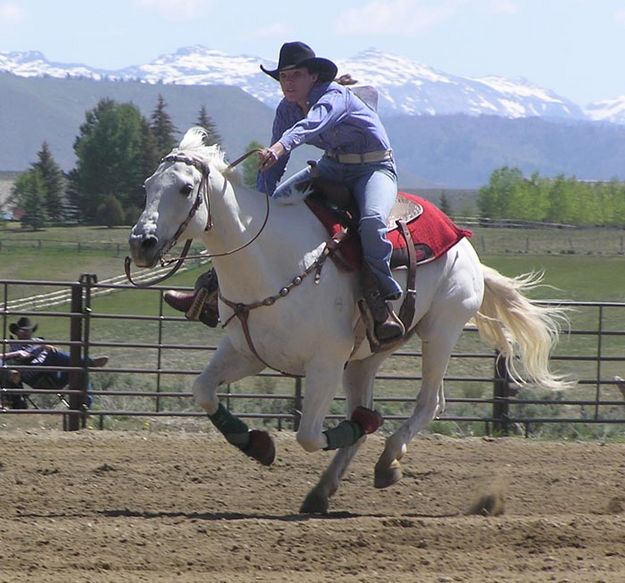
<point x="64" y="253"/>
<point x="582" y="265"/>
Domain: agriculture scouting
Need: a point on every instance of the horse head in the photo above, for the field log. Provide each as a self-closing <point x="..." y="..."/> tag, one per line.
<point x="177" y="199"/>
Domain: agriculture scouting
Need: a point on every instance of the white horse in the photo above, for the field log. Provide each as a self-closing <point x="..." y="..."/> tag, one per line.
<point x="307" y="327"/>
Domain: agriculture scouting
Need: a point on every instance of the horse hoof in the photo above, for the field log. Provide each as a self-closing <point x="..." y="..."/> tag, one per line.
<point x="261" y="447"/>
<point x="314" y="503"/>
<point x="387" y="476"/>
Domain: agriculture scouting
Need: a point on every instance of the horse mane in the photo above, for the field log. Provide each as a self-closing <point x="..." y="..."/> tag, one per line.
<point x="193" y="145"/>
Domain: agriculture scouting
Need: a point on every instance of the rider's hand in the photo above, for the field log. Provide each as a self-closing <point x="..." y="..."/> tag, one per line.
<point x="269" y="156"/>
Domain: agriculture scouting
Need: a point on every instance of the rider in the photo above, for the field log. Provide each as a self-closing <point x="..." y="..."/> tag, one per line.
<point x="319" y="111"/>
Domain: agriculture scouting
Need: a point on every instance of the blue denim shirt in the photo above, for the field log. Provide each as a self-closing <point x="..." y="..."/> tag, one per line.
<point x="338" y="121"/>
<point x="37" y="352"/>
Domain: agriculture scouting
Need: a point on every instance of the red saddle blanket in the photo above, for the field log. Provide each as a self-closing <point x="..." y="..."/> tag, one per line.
<point x="433" y="234"/>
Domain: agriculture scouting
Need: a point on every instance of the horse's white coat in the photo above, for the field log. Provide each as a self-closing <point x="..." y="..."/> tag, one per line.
<point x="311" y="330"/>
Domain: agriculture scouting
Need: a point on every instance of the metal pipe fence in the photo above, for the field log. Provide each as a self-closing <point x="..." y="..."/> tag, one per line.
<point x="155" y="354"/>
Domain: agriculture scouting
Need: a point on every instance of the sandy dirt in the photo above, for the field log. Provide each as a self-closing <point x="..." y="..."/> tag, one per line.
<point x="139" y="506"/>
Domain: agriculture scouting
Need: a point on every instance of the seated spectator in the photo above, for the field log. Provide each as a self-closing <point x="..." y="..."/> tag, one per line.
<point x="30" y="350"/>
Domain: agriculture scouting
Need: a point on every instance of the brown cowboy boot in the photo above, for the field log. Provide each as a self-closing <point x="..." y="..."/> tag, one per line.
<point x="201" y="303"/>
<point x="386" y="325"/>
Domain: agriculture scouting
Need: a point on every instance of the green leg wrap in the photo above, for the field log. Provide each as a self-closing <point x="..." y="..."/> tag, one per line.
<point x="232" y="428"/>
<point x="344" y="434"/>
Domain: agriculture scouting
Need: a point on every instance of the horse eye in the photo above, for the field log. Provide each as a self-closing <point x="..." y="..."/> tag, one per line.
<point x="187" y="189"/>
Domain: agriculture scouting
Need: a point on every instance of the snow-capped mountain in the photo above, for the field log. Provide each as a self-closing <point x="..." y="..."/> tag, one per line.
<point x="405" y="87"/>
<point x="612" y="110"/>
<point x="198" y="65"/>
<point x="34" y="64"/>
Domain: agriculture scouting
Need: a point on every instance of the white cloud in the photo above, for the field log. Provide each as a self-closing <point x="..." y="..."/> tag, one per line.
<point x="408" y="17"/>
<point x="10" y="13"/>
<point x="505" y="7"/>
<point x="273" y="31"/>
<point x="619" y="16"/>
<point x="176" y="10"/>
<point x="397" y="17"/>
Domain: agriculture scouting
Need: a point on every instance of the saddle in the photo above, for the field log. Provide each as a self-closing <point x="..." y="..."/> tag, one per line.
<point x="431" y="232"/>
<point x="418" y="230"/>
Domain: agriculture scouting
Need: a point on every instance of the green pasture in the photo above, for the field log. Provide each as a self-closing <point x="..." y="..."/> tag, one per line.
<point x="584" y="265"/>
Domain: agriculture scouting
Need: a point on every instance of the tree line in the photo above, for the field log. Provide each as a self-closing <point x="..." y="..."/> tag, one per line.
<point x="509" y="195"/>
<point x="116" y="149"/>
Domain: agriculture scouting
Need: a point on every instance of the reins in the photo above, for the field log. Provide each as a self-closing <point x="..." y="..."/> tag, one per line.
<point x="202" y="195"/>
<point x="242" y="311"/>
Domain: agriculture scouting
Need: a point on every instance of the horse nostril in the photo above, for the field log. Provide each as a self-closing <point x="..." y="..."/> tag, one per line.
<point x="149" y="242"/>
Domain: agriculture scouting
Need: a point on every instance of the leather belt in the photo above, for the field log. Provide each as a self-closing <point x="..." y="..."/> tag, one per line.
<point x="366" y="158"/>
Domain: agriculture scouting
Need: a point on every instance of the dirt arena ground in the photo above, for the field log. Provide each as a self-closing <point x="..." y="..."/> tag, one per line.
<point x="139" y="506"/>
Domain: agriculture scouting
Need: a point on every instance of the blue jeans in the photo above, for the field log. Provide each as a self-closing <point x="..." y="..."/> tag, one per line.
<point x="53" y="379"/>
<point x="374" y="187"/>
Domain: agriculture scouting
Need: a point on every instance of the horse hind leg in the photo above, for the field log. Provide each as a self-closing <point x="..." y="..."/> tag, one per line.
<point x="358" y="379"/>
<point x="438" y="339"/>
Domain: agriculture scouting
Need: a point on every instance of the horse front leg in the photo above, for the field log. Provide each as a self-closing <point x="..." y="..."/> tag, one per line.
<point x="228" y="366"/>
<point x="358" y="380"/>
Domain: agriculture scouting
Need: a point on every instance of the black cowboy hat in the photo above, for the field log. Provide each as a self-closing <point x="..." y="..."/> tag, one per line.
<point x="298" y="54"/>
<point x="23" y="323"/>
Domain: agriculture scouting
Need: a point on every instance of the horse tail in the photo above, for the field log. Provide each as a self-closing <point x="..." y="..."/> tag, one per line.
<point x="516" y="325"/>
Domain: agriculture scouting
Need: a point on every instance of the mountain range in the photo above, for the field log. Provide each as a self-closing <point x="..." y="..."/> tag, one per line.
<point x="446" y="131"/>
<point x="405" y="86"/>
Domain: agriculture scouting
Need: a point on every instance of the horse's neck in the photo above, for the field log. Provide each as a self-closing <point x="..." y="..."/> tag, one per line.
<point x="290" y="239"/>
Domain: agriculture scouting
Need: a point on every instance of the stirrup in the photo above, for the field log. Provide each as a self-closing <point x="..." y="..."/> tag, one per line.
<point x="380" y="339"/>
<point x="392" y="328"/>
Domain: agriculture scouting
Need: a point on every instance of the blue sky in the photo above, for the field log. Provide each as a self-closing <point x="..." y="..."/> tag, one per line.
<point x="575" y="47"/>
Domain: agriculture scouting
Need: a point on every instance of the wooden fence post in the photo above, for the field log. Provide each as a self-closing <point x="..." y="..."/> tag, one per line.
<point x="76" y="377"/>
<point x="501" y="396"/>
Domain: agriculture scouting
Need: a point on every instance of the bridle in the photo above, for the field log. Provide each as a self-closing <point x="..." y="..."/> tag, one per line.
<point x="240" y="311"/>
<point x="201" y="196"/>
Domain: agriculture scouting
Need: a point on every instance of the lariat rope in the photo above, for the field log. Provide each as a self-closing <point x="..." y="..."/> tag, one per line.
<point x="202" y="195"/>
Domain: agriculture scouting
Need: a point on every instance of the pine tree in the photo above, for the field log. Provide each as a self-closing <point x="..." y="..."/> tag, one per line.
<point x="28" y="195"/>
<point x="163" y="128"/>
<point x="249" y="166"/>
<point x="151" y="155"/>
<point x="203" y="118"/>
<point x="54" y="183"/>
<point x="205" y="121"/>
